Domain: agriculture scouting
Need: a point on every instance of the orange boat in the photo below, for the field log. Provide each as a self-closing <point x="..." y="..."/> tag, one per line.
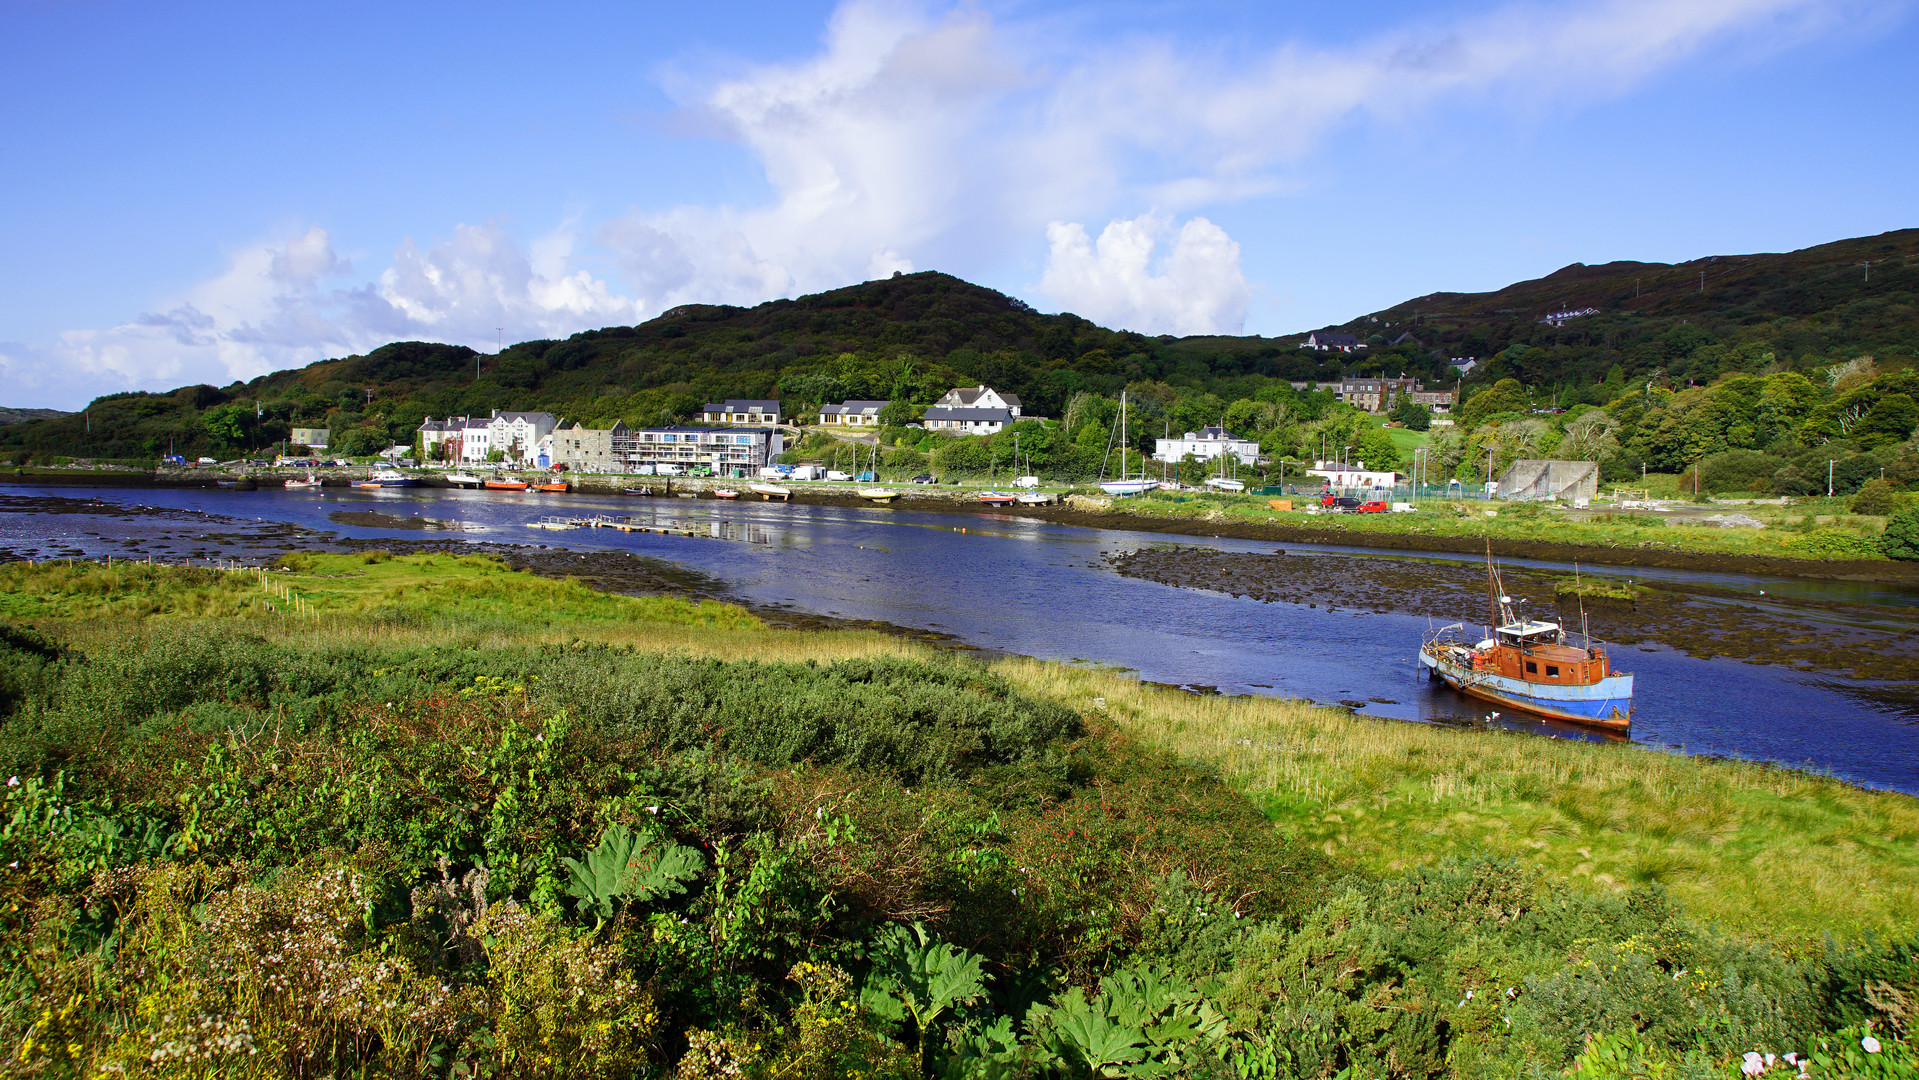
<point x="558" y="485"/>
<point x="500" y="483"/>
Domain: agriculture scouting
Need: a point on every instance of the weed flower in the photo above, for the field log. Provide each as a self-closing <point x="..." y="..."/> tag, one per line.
<point x="1869" y="1044"/>
<point x="1754" y="1064"/>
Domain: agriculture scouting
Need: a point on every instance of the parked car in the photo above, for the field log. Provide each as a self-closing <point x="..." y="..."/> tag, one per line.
<point x="925" y="478"/>
<point x="1373" y="507"/>
<point x="1340" y="504"/>
<point x="836" y="475"/>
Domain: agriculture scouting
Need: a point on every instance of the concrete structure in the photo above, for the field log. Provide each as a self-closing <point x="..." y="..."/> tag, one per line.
<point x="584" y="449"/>
<point x="967" y="421"/>
<point x="726" y="450"/>
<point x="1352" y="477"/>
<point x="1535" y="479"/>
<point x="1208" y="445"/>
<point x="741" y="411"/>
<point x="316" y="437"/>
<point x="1325" y="342"/>
<point x="853" y="413"/>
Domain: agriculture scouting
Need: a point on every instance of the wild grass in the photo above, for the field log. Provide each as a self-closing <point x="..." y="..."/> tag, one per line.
<point x="1780" y="852"/>
<point x="1775" y="852"/>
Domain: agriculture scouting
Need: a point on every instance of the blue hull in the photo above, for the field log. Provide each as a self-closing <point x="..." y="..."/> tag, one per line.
<point x="1606" y="703"/>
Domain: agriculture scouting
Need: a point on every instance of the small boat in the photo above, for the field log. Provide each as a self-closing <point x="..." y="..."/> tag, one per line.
<point x="1037" y="498"/>
<point x="997" y="498"/>
<point x="553" y="523"/>
<point x="301" y="485"/>
<point x="501" y="483"/>
<point x="386" y="478"/>
<point x="1125" y="485"/>
<point x="643" y="490"/>
<point x="878" y="494"/>
<point x="235" y="483"/>
<point x="1531" y="665"/>
<point x="1128" y="487"/>
<point x="1220" y="483"/>
<point x="551" y="485"/>
<point x="463" y="480"/>
<point x="770" y="491"/>
<point x="726" y="493"/>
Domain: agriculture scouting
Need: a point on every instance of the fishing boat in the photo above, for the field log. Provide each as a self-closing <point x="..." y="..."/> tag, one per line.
<point x="550" y="485"/>
<point x="770" y="491"/>
<point x="301" y="485"/>
<point x="1530" y="664"/>
<point x="501" y="483"/>
<point x="463" y="480"/>
<point x="725" y="493"/>
<point x="997" y="498"/>
<point x="1125" y="485"/>
<point x="387" y="478"/>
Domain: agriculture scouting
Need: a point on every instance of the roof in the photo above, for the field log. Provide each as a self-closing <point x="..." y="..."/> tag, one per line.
<point x="1333" y="339"/>
<point x="856" y="407"/>
<point x="966" y="395"/>
<point x="740" y="405"/>
<point x="691" y="428"/>
<point x="534" y="418"/>
<point x="1215" y="434"/>
<point x="976" y="416"/>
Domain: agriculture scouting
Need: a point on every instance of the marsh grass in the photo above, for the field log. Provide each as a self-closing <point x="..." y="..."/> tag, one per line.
<point x="1774" y="851"/>
<point x="1782" y="852"/>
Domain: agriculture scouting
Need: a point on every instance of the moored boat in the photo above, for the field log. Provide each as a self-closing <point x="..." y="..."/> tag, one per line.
<point x="550" y="485"/>
<point x="1128" y="487"/>
<point x="997" y="498"/>
<point x="300" y="485"/>
<point x="771" y="491"/>
<point x="1531" y="664"/>
<point x="387" y="478"/>
<point x="501" y="483"/>
<point x="878" y="494"/>
<point x="726" y="493"/>
<point x="1220" y="483"/>
<point x="463" y="480"/>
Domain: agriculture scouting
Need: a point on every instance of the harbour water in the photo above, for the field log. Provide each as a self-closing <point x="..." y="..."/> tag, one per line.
<point x="1015" y="585"/>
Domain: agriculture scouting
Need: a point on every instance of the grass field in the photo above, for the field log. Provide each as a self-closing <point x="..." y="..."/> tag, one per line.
<point x="1776" y="852"/>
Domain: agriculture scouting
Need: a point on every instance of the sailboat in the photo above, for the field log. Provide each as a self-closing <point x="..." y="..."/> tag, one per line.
<point x="1123" y="485"/>
<point x="876" y="493"/>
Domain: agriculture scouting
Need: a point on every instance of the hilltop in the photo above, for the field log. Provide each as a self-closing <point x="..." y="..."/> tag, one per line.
<point x="1688" y="321"/>
<point x="913" y="336"/>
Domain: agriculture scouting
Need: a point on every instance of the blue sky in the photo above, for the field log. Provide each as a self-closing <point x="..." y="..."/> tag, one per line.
<point x="207" y="192"/>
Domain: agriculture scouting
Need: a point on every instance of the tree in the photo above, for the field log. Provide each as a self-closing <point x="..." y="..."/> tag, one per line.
<point x="1875" y="498"/>
<point x="1891" y="420"/>
<point x="897" y="413"/>
<point x="1506" y="395"/>
<point x="1901" y="539"/>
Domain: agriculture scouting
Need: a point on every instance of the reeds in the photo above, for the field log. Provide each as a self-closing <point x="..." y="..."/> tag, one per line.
<point x="1777" y="851"/>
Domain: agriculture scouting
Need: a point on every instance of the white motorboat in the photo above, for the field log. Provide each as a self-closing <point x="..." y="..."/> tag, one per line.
<point x="465" y="480"/>
<point x="1220" y="483"/>
<point x="878" y="494"/>
<point x="770" y="491"/>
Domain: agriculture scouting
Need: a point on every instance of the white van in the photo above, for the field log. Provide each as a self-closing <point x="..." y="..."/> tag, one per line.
<point x="668" y="469"/>
<point x="1028" y="482"/>
<point x="807" y="472"/>
<point x="837" y="476"/>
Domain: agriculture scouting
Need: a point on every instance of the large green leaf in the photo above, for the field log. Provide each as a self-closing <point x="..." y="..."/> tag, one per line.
<point x="629" y="866"/>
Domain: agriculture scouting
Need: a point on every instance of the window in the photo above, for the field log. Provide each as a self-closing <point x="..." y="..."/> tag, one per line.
<point x="1552" y="672"/>
<point x="1532" y="668"/>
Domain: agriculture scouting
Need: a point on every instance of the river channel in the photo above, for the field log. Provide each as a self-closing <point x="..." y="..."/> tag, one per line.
<point x="1009" y="584"/>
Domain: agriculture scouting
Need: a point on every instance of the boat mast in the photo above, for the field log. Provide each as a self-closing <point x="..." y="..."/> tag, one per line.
<point x="1492" y="594"/>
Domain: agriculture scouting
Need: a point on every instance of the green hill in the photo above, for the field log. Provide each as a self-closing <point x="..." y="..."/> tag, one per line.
<point x="910" y="337"/>
<point x="15" y="416"/>
<point x="914" y="336"/>
<point x="1684" y="322"/>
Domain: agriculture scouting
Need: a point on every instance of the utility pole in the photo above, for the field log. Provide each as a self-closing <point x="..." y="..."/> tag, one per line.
<point x="1867" y="265"/>
<point x="1702" y="281"/>
<point x="1828" y="479"/>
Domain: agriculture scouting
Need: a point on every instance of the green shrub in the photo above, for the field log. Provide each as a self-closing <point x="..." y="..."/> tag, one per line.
<point x="1901" y="538"/>
<point x="1875" y="498"/>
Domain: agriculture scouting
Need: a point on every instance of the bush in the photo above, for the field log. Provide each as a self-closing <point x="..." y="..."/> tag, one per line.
<point x="1901" y="538"/>
<point x="1875" y="498"/>
<point x="1738" y="470"/>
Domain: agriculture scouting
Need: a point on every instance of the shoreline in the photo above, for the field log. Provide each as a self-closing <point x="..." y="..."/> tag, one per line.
<point x="962" y="500"/>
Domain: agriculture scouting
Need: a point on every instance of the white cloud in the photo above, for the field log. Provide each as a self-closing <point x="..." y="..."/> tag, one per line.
<point x="917" y="137"/>
<point x="274" y="307"/>
<point x="1195" y="288"/>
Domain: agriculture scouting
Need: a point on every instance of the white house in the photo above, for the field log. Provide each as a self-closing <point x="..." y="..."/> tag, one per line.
<point x="966" y="421"/>
<point x="853" y="413"/>
<point x="1207" y="445"/>
<point x="1352" y="477"/>
<point x="1326" y="342"/>
<point x="518" y="434"/>
<point x="740" y="411"/>
<point x="978" y="397"/>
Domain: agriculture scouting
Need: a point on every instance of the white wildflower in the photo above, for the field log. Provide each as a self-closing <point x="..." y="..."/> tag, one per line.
<point x="1754" y="1064"/>
<point x="1870" y="1044"/>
